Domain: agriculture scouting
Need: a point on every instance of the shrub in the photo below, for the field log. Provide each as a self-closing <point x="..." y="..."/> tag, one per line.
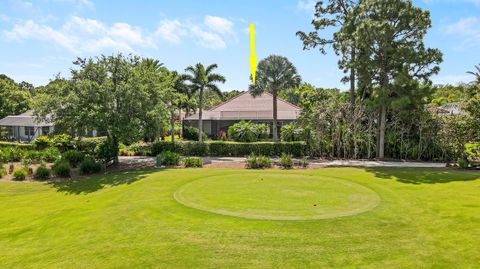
<point x="192" y="148"/>
<point x="169" y="158"/>
<point x="193" y="162"/>
<point x="286" y="161"/>
<point x="3" y="171"/>
<point x="88" y="145"/>
<point x="238" y="149"/>
<point x="42" y="142"/>
<point x="191" y="133"/>
<point x="13" y="154"/>
<point x="42" y="173"/>
<point x="107" y="150"/>
<point x="246" y="131"/>
<point x="63" y="142"/>
<point x="20" y="174"/>
<point x="74" y="157"/>
<point x="304" y="162"/>
<point x="290" y="132"/>
<point x="141" y="149"/>
<point x="51" y="154"/>
<point x="32" y="156"/>
<point x="15" y="145"/>
<point x="258" y="162"/>
<point x="89" y="166"/>
<point x="463" y="163"/>
<point x="61" y="168"/>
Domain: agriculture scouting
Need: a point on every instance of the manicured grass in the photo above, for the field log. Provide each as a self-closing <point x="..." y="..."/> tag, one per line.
<point x="277" y="196"/>
<point x="425" y="218"/>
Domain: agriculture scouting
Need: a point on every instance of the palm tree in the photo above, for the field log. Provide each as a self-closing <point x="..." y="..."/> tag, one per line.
<point x="203" y="79"/>
<point x="275" y="74"/>
<point x="476" y="73"/>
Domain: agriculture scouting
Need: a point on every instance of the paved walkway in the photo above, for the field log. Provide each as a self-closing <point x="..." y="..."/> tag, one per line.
<point x="150" y="161"/>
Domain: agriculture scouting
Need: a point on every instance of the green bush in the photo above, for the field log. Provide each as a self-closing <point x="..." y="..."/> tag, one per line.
<point x="107" y="150"/>
<point x="13" y="154"/>
<point x="191" y="133"/>
<point x="161" y="146"/>
<point x="239" y="149"/>
<point x="3" y="171"/>
<point x="230" y="149"/>
<point x="20" y="174"/>
<point x="169" y="158"/>
<point x="193" y="162"/>
<point x="258" y="162"/>
<point x="74" y="157"/>
<point x="32" y="156"/>
<point x="61" y="168"/>
<point x="88" y="145"/>
<point x="286" y="161"/>
<point x="51" y="154"/>
<point x="63" y="142"/>
<point x="246" y="131"/>
<point x="141" y="149"/>
<point x="290" y="132"/>
<point x="42" y="173"/>
<point x="15" y="145"/>
<point x="89" y="166"/>
<point x="304" y="162"/>
<point x="463" y="163"/>
<point x="42" y="142"/>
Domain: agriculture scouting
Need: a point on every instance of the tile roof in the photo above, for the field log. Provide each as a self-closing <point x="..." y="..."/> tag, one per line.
<point x="245" y="106"/>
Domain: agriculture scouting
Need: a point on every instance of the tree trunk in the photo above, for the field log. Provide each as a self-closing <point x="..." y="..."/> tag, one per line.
<point x="172" y="126"/>
<point x="274" y="129"/>
<point x="352" y="78"/>
<point x="381" y="135"/>
<point x="200" y="119"/>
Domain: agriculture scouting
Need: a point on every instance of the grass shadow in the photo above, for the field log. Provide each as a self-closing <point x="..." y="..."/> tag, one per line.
<point x="91" y="184"/>
<point x="424" y="175"/>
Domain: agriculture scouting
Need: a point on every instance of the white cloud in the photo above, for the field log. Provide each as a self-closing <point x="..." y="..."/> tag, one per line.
<point x="219" y="24"/>
<point x="467" y="28"/>
<point x="83" y="35"/>
<point x="306" y="5"/>
<point x="171" y="30"/>
<point x="207" y="39"/>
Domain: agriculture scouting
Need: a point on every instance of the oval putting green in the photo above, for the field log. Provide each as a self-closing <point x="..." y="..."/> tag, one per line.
<point x="277" y="196"/>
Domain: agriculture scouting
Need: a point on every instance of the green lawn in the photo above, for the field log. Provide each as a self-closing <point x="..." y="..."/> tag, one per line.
<point x="335" y="217"/>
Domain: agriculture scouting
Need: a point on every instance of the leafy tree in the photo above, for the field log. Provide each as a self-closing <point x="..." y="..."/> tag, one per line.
<point x="203" y="79"/>
<point x="338" y="14"/>
<point x="13" y="100"/>
<point x="122" y="95"/>
<point x="475" y="73"/>
<point x="274" y="75"/>
<point x="390" y="34"/>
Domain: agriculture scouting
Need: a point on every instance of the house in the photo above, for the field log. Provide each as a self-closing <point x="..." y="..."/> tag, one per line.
<point x="24" y="127"/>
<point x="244" y="107"/>
<point x="454" y="108"/>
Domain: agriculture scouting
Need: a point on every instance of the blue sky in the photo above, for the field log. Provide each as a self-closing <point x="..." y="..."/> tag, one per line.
<point x="41" y="38"/>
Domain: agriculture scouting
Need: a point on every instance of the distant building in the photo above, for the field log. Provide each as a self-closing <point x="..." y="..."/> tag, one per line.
<point x="448" y="109"/>
<point x="24" y="127"/>
<point x="247" y="108"/>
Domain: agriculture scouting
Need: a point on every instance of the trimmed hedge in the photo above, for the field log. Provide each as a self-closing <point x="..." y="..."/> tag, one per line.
<point x="230" y="149"/>
<point x="15" y="145"/>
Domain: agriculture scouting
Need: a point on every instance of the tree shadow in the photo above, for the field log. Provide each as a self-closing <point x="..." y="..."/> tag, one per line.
<point x="91" y="184"/>
<point x="412" y="175"/>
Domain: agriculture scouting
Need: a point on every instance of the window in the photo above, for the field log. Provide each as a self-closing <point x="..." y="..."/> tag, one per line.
<point x="29" y="131"/>
<point x="45" y="130"/>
